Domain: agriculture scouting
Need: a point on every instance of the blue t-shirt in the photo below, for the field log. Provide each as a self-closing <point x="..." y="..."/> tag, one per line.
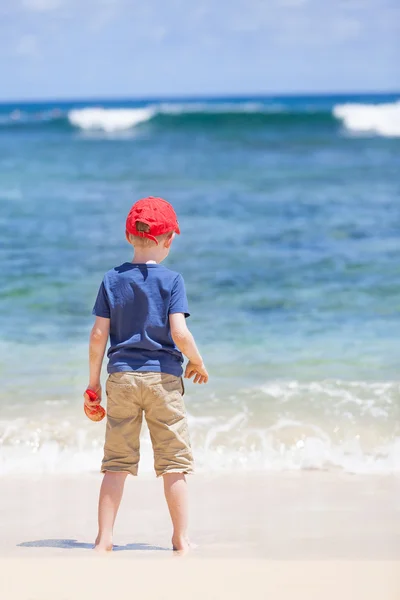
<point x="138" y="298"/>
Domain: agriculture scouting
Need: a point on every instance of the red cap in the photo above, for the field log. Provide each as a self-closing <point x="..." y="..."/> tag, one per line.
<point x="157" y="213"/>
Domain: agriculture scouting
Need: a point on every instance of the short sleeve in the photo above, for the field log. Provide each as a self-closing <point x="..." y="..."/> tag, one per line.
<point x="178" y="302"/>
<point x="102" y="306"/>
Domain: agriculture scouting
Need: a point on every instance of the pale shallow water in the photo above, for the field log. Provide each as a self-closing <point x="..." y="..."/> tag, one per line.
<point x="289" y="248"/>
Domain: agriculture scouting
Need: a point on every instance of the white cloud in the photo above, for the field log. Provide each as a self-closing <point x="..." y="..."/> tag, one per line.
<point x="42" y="5"/>
<point x="103" y="12"/>
<point x="348" y="29"/>
<point x="292" y="3"/>
<point x="27" y="46"/>
<point x="159" y="33"/>
<point x="245" y="24"/>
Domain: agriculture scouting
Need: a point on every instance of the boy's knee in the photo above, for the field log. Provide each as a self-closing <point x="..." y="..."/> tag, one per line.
<point x="173" y="475"/>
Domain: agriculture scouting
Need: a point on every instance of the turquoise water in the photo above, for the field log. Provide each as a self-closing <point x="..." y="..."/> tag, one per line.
<point x="289" y="212"/>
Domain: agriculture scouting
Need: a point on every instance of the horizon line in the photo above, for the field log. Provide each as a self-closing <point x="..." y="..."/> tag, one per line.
<point x="260" y="95"/>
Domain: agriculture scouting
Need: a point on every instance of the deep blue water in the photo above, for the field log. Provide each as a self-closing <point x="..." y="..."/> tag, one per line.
<point x="289" y="248"/>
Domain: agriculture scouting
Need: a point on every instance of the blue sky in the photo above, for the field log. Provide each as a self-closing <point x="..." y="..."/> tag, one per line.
<point x="103" y="48"/>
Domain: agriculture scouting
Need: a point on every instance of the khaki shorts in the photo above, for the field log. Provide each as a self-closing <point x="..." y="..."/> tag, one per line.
<point x="160" y="396"/>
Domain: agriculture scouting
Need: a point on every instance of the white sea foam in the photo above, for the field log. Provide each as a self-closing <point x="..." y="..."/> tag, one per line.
<point x="281" y="425"/>
<point x="380" y="119"/>
<point x="250" y="449"/>
<point x="110" y="119"/>
<point x="120" y="119"/>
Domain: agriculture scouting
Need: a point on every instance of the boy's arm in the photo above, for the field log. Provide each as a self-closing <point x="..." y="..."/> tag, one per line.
<point x="184" y="341"/>
<point x="97" y="346"/>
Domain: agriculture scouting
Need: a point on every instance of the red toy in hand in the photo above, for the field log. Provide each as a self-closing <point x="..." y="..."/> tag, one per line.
<point x="97" y="413"/>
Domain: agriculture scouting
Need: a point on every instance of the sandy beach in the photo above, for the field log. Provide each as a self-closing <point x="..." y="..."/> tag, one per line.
<point x="294" y="535"/>
<point x="287" y="206"/>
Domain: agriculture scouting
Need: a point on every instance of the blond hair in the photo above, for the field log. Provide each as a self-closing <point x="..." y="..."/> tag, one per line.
<point x="142" y="242"/>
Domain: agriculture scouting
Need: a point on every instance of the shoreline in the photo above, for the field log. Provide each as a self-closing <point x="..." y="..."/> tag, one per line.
<point x="299" y="535"/>
<point x="286" y="516"/>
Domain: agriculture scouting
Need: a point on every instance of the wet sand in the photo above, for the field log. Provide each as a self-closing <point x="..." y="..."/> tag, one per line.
<point x="294" y="535"/>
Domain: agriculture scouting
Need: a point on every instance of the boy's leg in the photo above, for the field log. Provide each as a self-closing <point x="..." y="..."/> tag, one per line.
<point x="166" y="418"/>
<point x="110" y="498"/>
<point x="176" y="494"/>
<point x="121" y="449"/>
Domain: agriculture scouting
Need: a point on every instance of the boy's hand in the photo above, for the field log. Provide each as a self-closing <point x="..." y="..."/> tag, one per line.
<point x="198" y="370"/>
<point x="90" y="403"/>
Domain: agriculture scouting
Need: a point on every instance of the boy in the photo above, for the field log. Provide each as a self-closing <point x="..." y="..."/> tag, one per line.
<point x="142" y="306"/>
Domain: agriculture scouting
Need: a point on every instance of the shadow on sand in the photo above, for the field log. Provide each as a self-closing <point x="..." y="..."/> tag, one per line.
<point x="74" y="545"/>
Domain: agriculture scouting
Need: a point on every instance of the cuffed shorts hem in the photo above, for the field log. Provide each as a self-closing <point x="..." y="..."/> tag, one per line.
<point x="132" y="471"/>
<point x="175" y="470"/>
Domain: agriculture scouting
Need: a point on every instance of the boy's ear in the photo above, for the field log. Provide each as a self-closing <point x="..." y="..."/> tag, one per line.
<point x="127" y="238"/>
<point x="169" y="239"/>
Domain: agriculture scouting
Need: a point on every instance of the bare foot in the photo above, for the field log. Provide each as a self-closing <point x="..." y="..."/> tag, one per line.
<point x="181" y="546"/>
<point x="102" y="546"/>
<point x="103" y="550"/>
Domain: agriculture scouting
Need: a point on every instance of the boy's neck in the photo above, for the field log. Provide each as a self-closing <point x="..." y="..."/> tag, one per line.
<point x="147" y="256"/>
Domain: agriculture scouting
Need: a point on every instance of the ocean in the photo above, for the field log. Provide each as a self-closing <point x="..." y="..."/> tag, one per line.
<point x="289" y="211"/>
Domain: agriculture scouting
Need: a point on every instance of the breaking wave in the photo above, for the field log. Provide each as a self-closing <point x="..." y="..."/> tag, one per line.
<point x="375" y="119"/>
<point x="332" y="424"/>
<point x="378" y="119"/>
<point x="110" y="119"/>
